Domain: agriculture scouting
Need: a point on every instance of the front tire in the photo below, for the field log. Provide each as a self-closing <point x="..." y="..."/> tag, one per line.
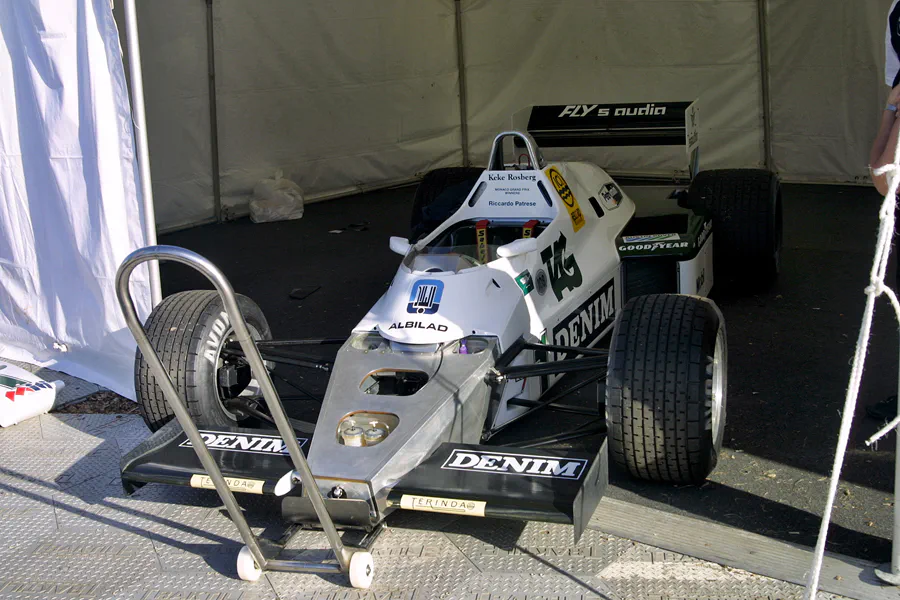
<point x="188" y="331"/>
<point x="666" y="388"/>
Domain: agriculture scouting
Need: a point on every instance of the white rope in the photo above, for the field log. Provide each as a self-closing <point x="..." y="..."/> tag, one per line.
<point x="875" y="288"/>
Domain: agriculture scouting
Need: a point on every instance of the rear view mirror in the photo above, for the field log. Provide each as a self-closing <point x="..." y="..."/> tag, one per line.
<point x="523" y="246"/>
<point x="400" y="245"/>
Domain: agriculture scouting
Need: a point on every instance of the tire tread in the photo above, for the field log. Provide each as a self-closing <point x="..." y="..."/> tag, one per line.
<point x="657" y="402"/>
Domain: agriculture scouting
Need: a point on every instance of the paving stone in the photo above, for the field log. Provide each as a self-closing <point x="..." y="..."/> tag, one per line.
<point x="199" y="586"/>
<point x="67" y="565"/>
<point x="514" y="547"/>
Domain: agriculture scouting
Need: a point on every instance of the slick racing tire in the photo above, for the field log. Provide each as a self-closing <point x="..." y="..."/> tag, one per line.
<point x="745" y="205"/>
<point x="440" y="193"/>
<point x="666" y="388"/>
<point x="188" y="331"/>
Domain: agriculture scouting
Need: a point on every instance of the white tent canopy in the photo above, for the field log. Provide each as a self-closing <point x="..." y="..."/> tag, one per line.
<point x="348" y="95"/>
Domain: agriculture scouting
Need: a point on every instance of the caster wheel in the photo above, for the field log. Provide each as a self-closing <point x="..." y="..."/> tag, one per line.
<point x="247" y="568"/>
<point x="362" y="570"/>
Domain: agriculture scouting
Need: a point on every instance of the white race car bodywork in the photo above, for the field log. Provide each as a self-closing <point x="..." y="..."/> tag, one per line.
<point x="565" y="289"/>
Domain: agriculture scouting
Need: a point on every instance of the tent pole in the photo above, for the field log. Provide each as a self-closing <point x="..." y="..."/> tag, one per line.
<point x="213" y="110"/>
<point x="762" y="18"/>
<point x="139" y="118"/>
<point x="461" y="68"/>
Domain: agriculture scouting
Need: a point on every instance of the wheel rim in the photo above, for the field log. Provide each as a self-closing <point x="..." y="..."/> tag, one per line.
<point x="220" y="364"/>
<point x="719" y="371"/>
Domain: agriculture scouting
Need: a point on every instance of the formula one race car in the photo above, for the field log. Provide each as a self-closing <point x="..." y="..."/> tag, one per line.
<point x="510" y="279"/>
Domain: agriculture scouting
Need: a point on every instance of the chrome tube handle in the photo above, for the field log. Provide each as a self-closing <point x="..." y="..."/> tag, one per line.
<point x="535" y="157"/>
<point x="258" y="368"/>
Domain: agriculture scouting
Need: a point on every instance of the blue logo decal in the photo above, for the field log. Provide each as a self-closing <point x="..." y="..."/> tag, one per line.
<point x="425" y="298"/>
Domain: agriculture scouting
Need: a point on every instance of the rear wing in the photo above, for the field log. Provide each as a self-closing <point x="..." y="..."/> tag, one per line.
<point x="641" y="124"/>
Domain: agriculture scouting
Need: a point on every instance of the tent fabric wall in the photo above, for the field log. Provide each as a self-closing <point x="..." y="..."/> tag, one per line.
<point x="827" y="86"/>
<point x="610" y="51"/>
<point x="176" y="94"/>
<point x="338" y="95"/>
<point x="69" y="208"/>
<point x="349" y="94"/>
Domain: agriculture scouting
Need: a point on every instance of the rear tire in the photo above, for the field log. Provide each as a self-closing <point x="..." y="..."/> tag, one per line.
<point x="745" y="205"/>
<point x="666" y="388"/>
<point x="188" y="331"/>
<point x="440" y="193"/>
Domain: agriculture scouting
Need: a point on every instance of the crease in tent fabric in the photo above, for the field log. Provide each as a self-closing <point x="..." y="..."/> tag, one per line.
<point x="67" y="200"/>
<point x="324" y="158"/>
<point x="351" y="86"/>
<point x="875" y="288"/>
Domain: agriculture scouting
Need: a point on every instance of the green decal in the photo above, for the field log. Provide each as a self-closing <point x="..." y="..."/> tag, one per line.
<point x="11" y="382"/>
<point x="525" y="282"/>
<point x="563" y="269"/>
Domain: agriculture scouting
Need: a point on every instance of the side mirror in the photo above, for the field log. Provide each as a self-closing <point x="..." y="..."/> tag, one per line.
<point x="400" y="245"/>
<point x="522" y="246"/>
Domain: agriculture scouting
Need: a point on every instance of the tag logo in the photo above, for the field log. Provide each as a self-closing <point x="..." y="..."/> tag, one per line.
<point x="564" y="271"/>
<point x="240" y="442"/>
<point x="568" y="198"/>
<point x="425" y="298"/>
<point x="550" y="467"/>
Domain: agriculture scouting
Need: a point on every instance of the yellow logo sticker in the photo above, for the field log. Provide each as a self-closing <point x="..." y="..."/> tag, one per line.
<point x="248" y="486"/>
<point x="482" y="241"/>
<point x="452" y="506"/>
<point x="568" y="198"/>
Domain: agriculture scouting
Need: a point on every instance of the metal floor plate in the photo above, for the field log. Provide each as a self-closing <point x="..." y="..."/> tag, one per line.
<point x="68" y="531"/>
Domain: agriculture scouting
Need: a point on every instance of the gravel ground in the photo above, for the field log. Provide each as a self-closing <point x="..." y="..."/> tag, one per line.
<point x="102" y="402"/>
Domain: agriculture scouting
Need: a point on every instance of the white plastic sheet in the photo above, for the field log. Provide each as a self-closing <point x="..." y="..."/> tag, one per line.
<point x="69" y="207"/>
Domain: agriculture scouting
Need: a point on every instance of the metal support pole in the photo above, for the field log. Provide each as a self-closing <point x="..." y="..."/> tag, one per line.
<point x="895" y="543"/>
<point x="762" y="17"/>
<point x="461" y="68"/>
<point x="213" y="111"/>
<point x="890" y="573"/>
<point x="139" y="119"/>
